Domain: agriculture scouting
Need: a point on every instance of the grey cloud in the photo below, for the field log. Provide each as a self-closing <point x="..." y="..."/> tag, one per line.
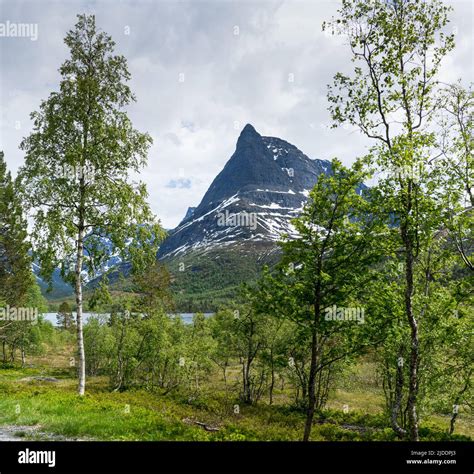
<point x="229" y="79"/>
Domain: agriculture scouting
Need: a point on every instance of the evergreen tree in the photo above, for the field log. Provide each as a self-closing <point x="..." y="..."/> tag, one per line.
<point x="64" y="317"/>
<point x="15" y="262"/>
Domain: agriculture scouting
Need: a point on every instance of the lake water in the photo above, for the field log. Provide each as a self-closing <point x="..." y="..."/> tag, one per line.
<point x="186" y="317"/>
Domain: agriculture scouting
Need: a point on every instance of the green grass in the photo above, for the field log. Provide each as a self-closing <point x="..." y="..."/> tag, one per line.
<point x="101" y="414"/>
<point x="133" y="415"/>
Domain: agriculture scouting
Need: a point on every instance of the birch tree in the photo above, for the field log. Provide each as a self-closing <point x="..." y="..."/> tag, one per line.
<point x="320" y="274"/>
<point x="397" y="47"/>
<point x="456" y="166"/>
<point x="75" y="180"/>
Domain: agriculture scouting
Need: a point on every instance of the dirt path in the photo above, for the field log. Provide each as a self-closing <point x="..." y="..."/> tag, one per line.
<point x="29" y="433"/>
<point x="14" y="433"/>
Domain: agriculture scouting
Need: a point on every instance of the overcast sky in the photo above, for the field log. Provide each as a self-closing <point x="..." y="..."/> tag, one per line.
<point x="261" y="62"/>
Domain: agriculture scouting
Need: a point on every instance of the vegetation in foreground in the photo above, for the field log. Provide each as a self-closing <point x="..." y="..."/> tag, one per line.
<point x="55" y="411"/>
<point x="386" y="273"/>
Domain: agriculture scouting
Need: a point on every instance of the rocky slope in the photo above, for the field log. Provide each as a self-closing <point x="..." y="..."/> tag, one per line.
<point x="253" y="199"/>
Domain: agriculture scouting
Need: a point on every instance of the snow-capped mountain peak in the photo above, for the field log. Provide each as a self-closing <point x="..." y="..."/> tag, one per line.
<point x="262" y="187"/>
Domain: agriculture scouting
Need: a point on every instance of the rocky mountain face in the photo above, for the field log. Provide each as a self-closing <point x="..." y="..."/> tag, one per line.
<point x="253" y="199"/>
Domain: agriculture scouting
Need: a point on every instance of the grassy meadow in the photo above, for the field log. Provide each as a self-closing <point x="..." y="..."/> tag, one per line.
<point x="40" y="409"/>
